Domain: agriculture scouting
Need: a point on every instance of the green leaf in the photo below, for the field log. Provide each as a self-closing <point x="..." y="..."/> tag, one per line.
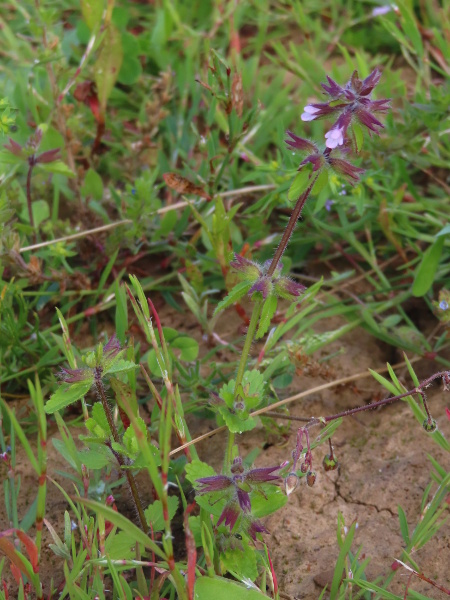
<point x="321" y="182"/>
<point x="57" y="167"/>
<point x="129" y="437"/>
<point x="188" y="346"/>
<point x="67" y="394"/>
<point x="131" y="70"/>
<point x="358" y="136"/>
<point x="385" y="382"/>
<point x="224" y="589"/>
<point x="107" y="66"/>
<point x="273" y="500"/>
<point x="240" y="562"/>
<point x="92" y="11"/>
<point x="268" y="310"/>
<point x="340" y="563"/>
<point x="123" y="523"/>
<point x="120" y="366"/>
<point x="252" y="386"/>
<point x="426" y="271"/>
<point x="40" y="211"/>
<point x="99" y="416"/>
<point x="236" y="294"/>
<point x="22" y="436"/>
<point x="403" y="525"/>
<point x="119" y="546"/>
<point x="410" y="27"/>
<point x="154" y="512"/>
<point x="237" y="423"/>
<point x="93" y="185"/>
<point x="96" y="457"/>
<point x="299" y="185"/>
<point x="444" y="231"/>
<point x="198" y="469"/>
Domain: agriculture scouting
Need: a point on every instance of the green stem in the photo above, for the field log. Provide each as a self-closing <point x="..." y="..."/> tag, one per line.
<point x="248" y="342"/>
<point x="257" y="307"/>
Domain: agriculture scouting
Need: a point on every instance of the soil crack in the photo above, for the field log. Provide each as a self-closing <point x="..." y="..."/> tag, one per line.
<point x="337" y="487"/>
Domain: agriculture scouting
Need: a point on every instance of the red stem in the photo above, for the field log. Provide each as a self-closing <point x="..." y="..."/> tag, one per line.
<point x="289" y="229"/>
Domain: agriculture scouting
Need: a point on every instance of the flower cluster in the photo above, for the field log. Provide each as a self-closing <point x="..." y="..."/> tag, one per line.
<point x="325" y="159"/>
<point x="348" y="103"/>
<point x="28" y="152"/>
<point x="98" y="362"/>
<point x="237" y="488"/>
<point x="267" y="285"/>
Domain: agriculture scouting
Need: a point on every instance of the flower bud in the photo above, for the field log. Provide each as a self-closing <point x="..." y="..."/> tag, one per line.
<point x="429" y="425"/>
<point x="304" y="467"/>
<point x="291" y="482"/>
<point x="311" y="478"/>
<point x="329" y="463"/>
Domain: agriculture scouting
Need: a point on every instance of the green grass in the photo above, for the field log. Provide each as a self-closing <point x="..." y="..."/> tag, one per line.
<point x="170" y="119"/>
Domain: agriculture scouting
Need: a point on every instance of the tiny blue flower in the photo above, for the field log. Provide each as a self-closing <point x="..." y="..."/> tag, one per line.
<point x="133" y="191"/>
<point x="443" y="305"/>
<point x="329" y="204"/>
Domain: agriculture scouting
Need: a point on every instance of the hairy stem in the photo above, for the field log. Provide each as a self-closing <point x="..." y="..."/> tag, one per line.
<point x="128" y="474"/>
<point x="290" y="228"/>
<point x="29" y="201"/>
<point x="311" y="421"/>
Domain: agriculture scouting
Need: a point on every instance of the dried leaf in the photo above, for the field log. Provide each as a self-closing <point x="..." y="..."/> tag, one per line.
<point x="184" y="186"/>
<point x="237" y="95"/>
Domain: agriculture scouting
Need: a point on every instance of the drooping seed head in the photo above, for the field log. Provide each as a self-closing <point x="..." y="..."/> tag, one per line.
<point x="311" y="478"/>
<point x="330" y="463"/>
<point x="429" y="425"/>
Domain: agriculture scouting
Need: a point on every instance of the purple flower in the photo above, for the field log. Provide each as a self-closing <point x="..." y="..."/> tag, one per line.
<point x="382" y="10"/>
<point x="14" y="148"/>
<point x="288" y="289"/>
<point x="112" y="348"/>
<point x="75" y="375"/>
<point x="345" y="168"/>
<point x="333" y="89"/>
<point x="356" y="106"/>
<point x="28" y="152"/>
<point x="319" y="160"/>
<point x="313" y="112"/>
<point x="263" y="285"/>
<point x="334" y="137"/>
<point x="298" y="143"/>
<point x="230" y="515"/>
<point x="48" y="156"/>
<point x="256" y="527"/>
<point x="102" y="358"/>
<point x="309" y="113"/>
<point x="245" y="267"/>
<point x="262" y="475"/>
<point x="329" y="204"/>
<point x="216" y="483"/>
<point x="256" y="274"/>
<point x="237" y="488"/>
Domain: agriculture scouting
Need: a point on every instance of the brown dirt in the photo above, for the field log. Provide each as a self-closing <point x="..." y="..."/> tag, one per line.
<point x="383" y="463"/>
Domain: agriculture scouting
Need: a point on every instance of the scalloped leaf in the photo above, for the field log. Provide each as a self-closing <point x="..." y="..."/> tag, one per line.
<point x="268" y="310"/>
<point x="234" y="296"/>
<point x="67" y="394"/>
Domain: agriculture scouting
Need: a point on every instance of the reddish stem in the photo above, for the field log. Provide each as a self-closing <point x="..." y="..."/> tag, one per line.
<point x="290" y="229"/>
